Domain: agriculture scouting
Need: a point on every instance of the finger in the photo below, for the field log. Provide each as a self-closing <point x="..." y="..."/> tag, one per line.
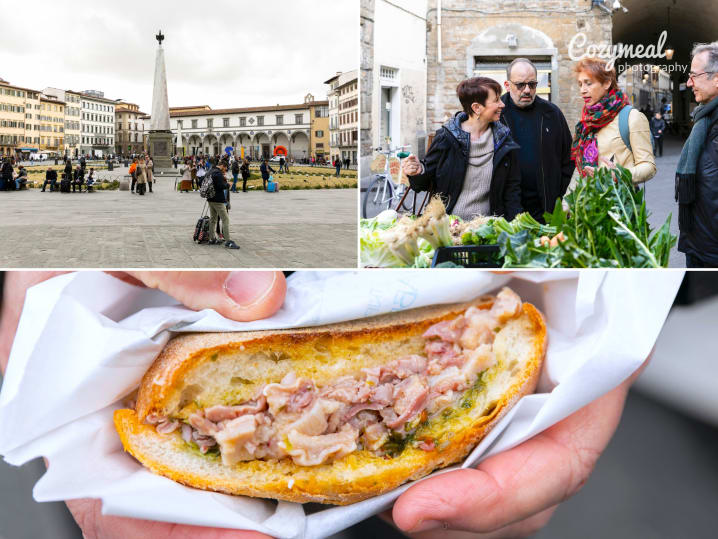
<point x="239" y="295"/>
<point x="523" y="528"/>
<point x="95" y="525"/>
<point x="515" y="484"/>
<point x="16" y="284"/>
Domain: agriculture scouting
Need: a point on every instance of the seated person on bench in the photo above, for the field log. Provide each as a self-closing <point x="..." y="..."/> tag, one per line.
<point x="21" y="179"/>
<point x="79" y="179"/>
<point x="90" y="180"/>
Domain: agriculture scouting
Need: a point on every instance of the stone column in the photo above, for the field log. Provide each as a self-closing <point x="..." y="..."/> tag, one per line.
<point x="366" y="75"/>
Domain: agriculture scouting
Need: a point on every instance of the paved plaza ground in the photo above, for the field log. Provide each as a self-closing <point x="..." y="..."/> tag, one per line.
<point x="660" y="190"/>
<point x="289" y="229"/>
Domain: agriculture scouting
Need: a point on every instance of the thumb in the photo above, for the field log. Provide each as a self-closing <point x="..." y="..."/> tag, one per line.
<point x="239" y="295"/>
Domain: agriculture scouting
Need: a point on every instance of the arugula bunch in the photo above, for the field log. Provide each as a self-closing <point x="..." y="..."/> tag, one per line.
<point x="606" y="226"/>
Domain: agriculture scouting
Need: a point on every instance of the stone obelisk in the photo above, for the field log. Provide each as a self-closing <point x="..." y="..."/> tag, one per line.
<point x="160" y="137"/>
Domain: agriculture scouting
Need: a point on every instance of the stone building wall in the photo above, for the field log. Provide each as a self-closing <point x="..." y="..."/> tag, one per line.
<point x="479" y="28"/>
<point x="366" y="76"/>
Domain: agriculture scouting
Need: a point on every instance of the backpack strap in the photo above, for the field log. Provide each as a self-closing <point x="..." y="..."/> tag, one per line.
<point x="623" y="126"/>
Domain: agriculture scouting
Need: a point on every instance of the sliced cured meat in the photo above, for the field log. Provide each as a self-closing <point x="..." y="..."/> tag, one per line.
<point x="221" y="413"/>
<point x="313" y="450"/>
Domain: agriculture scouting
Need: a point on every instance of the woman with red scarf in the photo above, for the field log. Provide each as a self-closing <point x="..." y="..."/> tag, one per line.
<point x="598" y="142"/>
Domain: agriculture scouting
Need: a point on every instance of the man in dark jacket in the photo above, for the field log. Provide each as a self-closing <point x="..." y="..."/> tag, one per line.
<point x="51" y="178"/>
<point x="6" y="175"/>
<point x="79" y="178"/>
<point x="235" y="175"/>
<point x="218" y="208"/>
<point x="265" y="169"/>
<point x="540" y="129"/>
<point x="68" y="168"/>
<point x="697" y="172"/>
<point x="658" y="127"/>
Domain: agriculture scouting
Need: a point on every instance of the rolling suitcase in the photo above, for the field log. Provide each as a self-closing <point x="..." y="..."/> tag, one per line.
<point x="201" y="229"/>
<point x="65" y="185"/>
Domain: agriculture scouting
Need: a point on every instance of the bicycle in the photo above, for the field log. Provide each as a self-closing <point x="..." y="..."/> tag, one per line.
<point x="383" y="193"/>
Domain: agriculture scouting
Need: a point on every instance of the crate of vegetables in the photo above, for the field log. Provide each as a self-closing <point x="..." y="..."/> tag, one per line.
<point x="467" y="256"/>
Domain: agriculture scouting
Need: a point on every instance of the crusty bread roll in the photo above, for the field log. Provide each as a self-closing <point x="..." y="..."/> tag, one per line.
<point x="197" y="372"/>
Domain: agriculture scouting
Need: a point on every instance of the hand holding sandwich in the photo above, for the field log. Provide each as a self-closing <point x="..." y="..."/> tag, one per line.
<point x="241" y="296"/>
<point x="514" y="493"/>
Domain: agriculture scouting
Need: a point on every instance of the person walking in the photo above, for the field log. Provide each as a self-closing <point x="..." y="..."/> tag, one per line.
<point x="51" y="178"/>
<point x="133" y="174"/>
<point x="281" y="164"/>
<point x="244" y="169"/>
<point x="337" y="166"/>
<point x="193" y="173"/>
<point x="201" y="172"/>
<point x="235" y="175"/>
<point x="598" y="141"/>
<point x="83" y="164"/>
<point x="697" y="173"/>
<point x="265" y="169"/>
<point x="218" y="208"/>
<point x="658" y="128"/>
<point x="141" y="176"/>
<point x="540" y="129"/>
<point x="150" y="169"/>
<point x="473" y="160"/>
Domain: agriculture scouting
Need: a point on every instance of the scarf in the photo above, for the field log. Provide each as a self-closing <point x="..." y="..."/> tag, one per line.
<point x="703" y="117"/>
<point x="584" y="150"/>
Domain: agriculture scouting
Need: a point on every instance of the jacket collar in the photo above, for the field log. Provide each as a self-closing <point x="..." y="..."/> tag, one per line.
<point x="501" y="133"/>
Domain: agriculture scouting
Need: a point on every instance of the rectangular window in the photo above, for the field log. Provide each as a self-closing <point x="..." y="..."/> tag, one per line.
<point x="179" y="124"/>
<point x="319" y="134"/>
<point x="280" y="119"/>
<point x="194" y="124"/>
<point x="298" y="118"/>
<point x="260" y="120"/>
<point x="225" y="122"/>
<point x="243" y="122"/>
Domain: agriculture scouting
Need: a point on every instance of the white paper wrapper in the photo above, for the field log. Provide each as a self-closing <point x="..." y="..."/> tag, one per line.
<point x="85" y="340"/>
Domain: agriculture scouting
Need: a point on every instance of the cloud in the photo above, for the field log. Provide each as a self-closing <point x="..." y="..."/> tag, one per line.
<point x="223" y="53"/>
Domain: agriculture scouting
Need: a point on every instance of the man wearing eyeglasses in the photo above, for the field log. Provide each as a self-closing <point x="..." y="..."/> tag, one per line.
<point x="540" y="128"/>
<point x="697" y="173"/>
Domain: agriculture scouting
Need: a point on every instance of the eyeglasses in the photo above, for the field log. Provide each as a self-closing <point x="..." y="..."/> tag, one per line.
<point x="692" y="76"/>
<point x="521" y="85"/>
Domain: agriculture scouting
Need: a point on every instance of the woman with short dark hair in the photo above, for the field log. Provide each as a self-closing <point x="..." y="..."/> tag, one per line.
<point x="472" y="162"/>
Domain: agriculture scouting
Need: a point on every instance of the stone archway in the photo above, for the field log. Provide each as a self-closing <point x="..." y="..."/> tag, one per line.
<point x="691" y="22"/>
<point x="300" y="145"/>
<point x="225" y="140"/>
<point x="281" y="139"/>
<point x="244" y="141"/>
<point x="210" y="145"/>
<point x="194" y="144"/>
<point x="261" y="146"/>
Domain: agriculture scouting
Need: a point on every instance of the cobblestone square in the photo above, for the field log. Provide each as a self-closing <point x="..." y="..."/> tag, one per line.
<point x="117" y="229"/>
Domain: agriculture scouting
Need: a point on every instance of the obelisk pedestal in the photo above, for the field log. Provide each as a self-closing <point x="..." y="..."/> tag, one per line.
<point x="160" y="136"/>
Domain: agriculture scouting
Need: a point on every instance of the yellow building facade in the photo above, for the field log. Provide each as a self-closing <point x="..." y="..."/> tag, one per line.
<point x="50" y="119"/>
<point x="17" y="136"/>
<point x="319" y="128"/>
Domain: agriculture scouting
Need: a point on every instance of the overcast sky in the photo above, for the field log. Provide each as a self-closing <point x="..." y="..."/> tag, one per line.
<point x="221" y="53"/>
